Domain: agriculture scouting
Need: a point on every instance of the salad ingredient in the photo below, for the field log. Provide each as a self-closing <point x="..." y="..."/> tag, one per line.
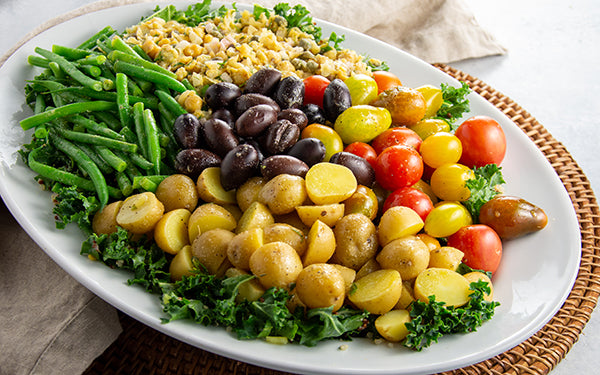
<point x="512" y="217"/>
<point x="289" y="93"/>
<point x="398" y="166"/>
<point x="363" y="89"/>
<point x="283" y="193"/>
<point x="177" y="191"/>
<point x="392" y="325"/>
<point x="356" y="239"/>
<point x="362" y="201"/>
<point x="336" y="99"/>
<point x="377" y="292"/>
<point x="314" y="89"/>
<point x="480" y="244"/>
<point x="193" y="161"/>
<point x="246" y="101"/>
<point x="327" y="214"/>
<point x="264" y="81"/>
<point x="182" y="264"/>
<point x="446" y="218"/>
<point x="408" y="255"/>
<point x="209" y="216"/>
<point x="329" y="137"/>
<point x="362" y="123"/>
<point x="397" y="222"/>
<point x="483" y="187"/>
<point x="483" y="141"/>
<point x="250" y="290"/>
<point x="361" y="169"/>
<point x="455" y="103"/>
<point x="476" y="276"/>
<point x="448" y="182"/>
<point x="320" y="244"/>
<point x="275" y="165"/>
<point x="433" y="98"/>
<point x="256" y="216"/>
<point x="218" y="136"/>
<point x="255" y="119"/>
<point x="445" y="257"/>
<point x="280" y="136"/>
<point x="385" y="80"/>
<point x="243" y="245"/>
<point x="238" y="165"/>
<point x="441" y="148"/>
<point x="246" y="194"/>
<point x="210" y="189"/>
<point x="412" y="198"/>
<point x="140" y="213"/>
<point x="276" y="264"/>
<point x="447" y="286"/>
<point x="406" y="105"/>
<point x="210" y="248"/>
<point x="310" y="150"/>
<point x="282" y="232"/>
<point x="222" y="94"/>
<point x="396" y="136"/>
<point x="364" y="150"/>
<point x="105" y="220"/>
<point x="186" y="130"/>
<point x="328" y="183"/>
<point x="171" y="231"/>
<point x="321" y="285"/>
<point x="429" y="126"/>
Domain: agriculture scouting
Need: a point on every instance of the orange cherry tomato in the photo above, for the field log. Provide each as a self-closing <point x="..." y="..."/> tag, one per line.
<point x="385" y="80"/>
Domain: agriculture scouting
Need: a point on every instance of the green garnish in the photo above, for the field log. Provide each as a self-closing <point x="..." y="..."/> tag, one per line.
<point x="483" y="187"/>
<point x="455" y="103"/>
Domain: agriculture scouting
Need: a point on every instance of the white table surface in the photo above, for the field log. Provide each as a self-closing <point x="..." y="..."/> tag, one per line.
<point x="550" y="70"/>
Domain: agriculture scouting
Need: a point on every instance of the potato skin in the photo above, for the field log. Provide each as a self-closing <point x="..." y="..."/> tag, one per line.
<point x="321" y="285"/>
<point x="177" y="191"/>
<point x="407" y="255"/>
<point x="276" y="264"/>
<point x="356" y="240"/>
<point x="512" y="217"/>
<point x="210" y="248"/>
<point x="139" y="213"/>
<point x="283" y="193"/>
<point x="105" y="220"/>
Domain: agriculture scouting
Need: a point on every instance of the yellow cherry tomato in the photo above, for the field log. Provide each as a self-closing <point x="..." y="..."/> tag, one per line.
<point x="447" y="218"/>
<point x="330" y="138"/>
<point x="449" y="182"/>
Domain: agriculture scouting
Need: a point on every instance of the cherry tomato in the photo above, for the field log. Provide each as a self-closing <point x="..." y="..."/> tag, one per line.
<point x="480" y="244"/>
<point x="362" y="123"/>
<point x="411" y="198"/>
<point x="314" y="87"/>
<point x="363" y="89"/>
<point x="332" y="141"/>
<point x="385" y="80"/>
<point x="396" y="136"/>
<point x="449" y="182"/>
<point x="447" y="218"/>
<point x="398" y="166"/>
<point x="483" y="141"/>
<point x="364" y="150"/>
<point x="441" y="148"/>
<point x="429" y="126"/>
<point x="433" y="98"/>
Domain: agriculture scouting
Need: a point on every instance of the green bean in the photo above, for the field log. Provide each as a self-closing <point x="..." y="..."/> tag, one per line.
<point x="63" y="177"/>
<point x="149" y="75"/>
<point x="91" y="42"/>
<point x="188" y="85"/>
<point x="92" y="154"/>
<point x="123" y="100"/>
<point x="138" y="122"/>
<point x="119" y="44"/>
<point x="136" y="60"/>
<point x="91" y="70"/>
<point x="141" y="52"/>
<point x="65" y="110"/>
<point x="106" y="117"/>
<point x="153" y="139"/>
<point x="132" y="172"/>
<point x="40" y="105"/>
<point x="85" y="163"/>
<point x="38" y="61"/>
<point x="95" y="60"/>
<point x="141" y="162"/>
<point x="97" y="140"/>
<point x="104" y="46"/>
<point x="124" y="183"/>
<point x="70" y="53"/>
<point x="107" y="84"/>
<point x="96" y="128"/>
<point x="57" y="88"/>
<point x="113" y="160"/>
<point x="170" y="103"/>
<point x="56" y="70"/>
<point x="149" y="102"/>
<point x="148" y="183"/>
<point x="128" y="134"/>
<point x="70" y="69"/>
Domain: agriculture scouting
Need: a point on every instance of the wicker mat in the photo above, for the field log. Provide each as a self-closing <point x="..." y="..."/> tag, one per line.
<point x="143" y="350"/>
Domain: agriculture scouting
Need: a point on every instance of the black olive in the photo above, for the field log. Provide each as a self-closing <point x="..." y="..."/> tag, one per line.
<point x="238" y="166"/>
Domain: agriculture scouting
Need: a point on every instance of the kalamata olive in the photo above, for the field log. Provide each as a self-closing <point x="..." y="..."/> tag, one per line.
<point x="193" y="161"/>
<point x="314" y="114"/>
<point x="244" y="102"/>
<point x="238" y="166"/>
<point x="360" y="167"/>
<point x="225" y="115"/>
<point x="279" y="164"/>
<point x="336" y="99"/>
<point x="280" y="136"/>
<point x="295" y="116"/>
<point x="289" y="92"/>
<point x="256" y="119"/>
<point x="264" y="81"/>
<point x="219" y="136"/>
<point x="221" y="94"/>
<point x="185" y="129"/>
<point x="309" y="150"/>
<point x="512" y="217"/>
<point x="254" y="143"/>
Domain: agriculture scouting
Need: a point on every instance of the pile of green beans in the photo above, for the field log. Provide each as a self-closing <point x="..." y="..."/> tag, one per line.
<point x="110" y="109"/>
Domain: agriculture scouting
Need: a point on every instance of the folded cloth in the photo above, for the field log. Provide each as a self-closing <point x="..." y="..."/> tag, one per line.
<point x="53" y="325"/>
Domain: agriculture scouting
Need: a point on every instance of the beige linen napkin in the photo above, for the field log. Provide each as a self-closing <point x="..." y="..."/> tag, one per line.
<point x="53" y="325"/>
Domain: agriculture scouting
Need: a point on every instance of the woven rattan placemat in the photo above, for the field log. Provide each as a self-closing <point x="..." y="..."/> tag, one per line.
<point x="143" y="350"/>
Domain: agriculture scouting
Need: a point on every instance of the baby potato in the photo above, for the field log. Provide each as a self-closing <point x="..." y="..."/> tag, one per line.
<point x="280" y="232"/>
<point x="406" y="297"/>
<point x="276" y="264"/>
<point x="181" y="264"/>
<point x="392" y="325"/>
<point x="294" y="220"/>
<point x="370" y="266"/>
<point x="327" y="213"/>
<point x="283" y="193"/>
<point x="210" y="188"/>
<point x="250" y="290"/>
<point x="356" y="240"/>
<point x="446" y="285"/>
<point x="140" y="213"/>
<point x="246" y="194"/>
<point x="348" y="274"/>
<point x="242" y="246"/>
<point x="480" y="276"/>
<point x="105" y="220"/>
<point x="445" y="257"/>
<point x="377" y="292"/>
<point x="328" y="183"/>
<point x="256" y="216"/>
<point x="431" y="242"/>
<point x="210" y="248"/>
<point x="209" y="216"/>
<point x="177" y="191"/>
<point x="321" y="285"/>
<point x="171" y="231"/>
<point x="397" y="222"/>
<point x="408" y="255"/>
<point x="362" y="201"/>
<point x="320" y="244"/>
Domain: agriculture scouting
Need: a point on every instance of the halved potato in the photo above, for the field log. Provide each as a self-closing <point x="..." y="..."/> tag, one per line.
<point x="210" y="188"/>
<point x="171" y="231"/>
<point x="328" y="213"/>
<point x="377" y="292"/>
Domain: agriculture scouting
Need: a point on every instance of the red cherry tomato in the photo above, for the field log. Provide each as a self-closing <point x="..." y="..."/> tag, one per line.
<point x="364" y="150"/>
<point x="314" y="87"/>
<point x="482" y="140"/>
<point x="411" y="198"/>
<point x="481" y="245"/>
<point x="385" y="80"/>
<point x="398" y="166"/>
<point x="396" y="136"/>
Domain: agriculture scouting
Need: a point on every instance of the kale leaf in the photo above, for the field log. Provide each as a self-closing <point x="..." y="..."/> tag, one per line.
<point x="483" y="187"/>
<point x="455" y="103"/>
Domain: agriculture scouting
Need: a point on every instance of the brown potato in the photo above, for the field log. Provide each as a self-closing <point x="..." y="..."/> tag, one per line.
<point x="397" y="222"/>
<point x="177" y="191"/>
<point x="140" y="213"/>
<point x="250" y="290"/>
<point x="210" y="248"/>
<point x="182" y="264"/>
<point x="276" y="264"/>
<point x="280" y="232"/>
<point x="321" y="285"/>
<point x="479" y="276"/>
<point x="283" y="193"/>
<point x="348" y="274"/>
<point x="406" y="105"/>
<point x="328" y="183"/>
<point x="406" y="297"/>
<point x="210" y="188"/>
<point x="431" y="242"/>
<point x="370" y="266"/>
<point x="356" y="240"/>
<point x="105" y="220"/>
<point x="512" y="217"/>
<point x="408" y="255"/>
